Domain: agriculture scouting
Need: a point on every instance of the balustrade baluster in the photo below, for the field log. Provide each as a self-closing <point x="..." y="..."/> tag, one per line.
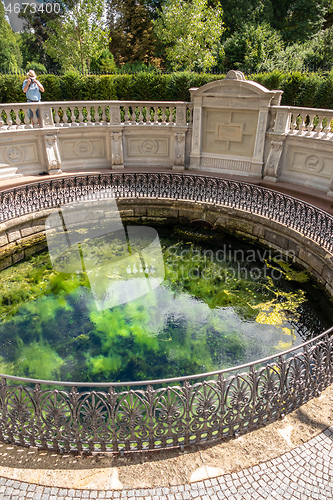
<point x="156" y="115"/>
<point x="141" y="115"/>
<point x="9" y="119"/>
<point x="127" y="115"/>
<point x="148" y="114"/>
<point x="301" y="126"/>
<point x="81" y="117"/>
<point x="319" y="127"/>
<point x="163" y="115"/>
<point x="19" y="120"/>
<point x="73" y="117"/>
<point x="34" y="119"/>
<point x="310" y="127"/>
<point x="173" y="116"/>
<point x="2" y="123"/>
<point x="293" y="123"/>
<point x="101" y="117"/>
<point x="14" y="124"/>
<point x="57" y="112"/>
<point x="65" y="118"/>
<point x="327" y="129"/>
<point x="89" y="118"/>
<point x="133" y="116"/>
<point x="26" y="119"/>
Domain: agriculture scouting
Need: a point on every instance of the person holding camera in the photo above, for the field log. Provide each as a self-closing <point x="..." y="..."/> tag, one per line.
<point x="32" y="89"/>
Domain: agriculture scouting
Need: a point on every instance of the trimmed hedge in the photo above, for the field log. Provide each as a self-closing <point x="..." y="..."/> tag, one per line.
<point x="311" y="90"/>
<point x="300" y="89"/>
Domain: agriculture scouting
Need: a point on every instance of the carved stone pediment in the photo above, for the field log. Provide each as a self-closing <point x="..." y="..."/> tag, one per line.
<point x="236" y="87"/>
<point x="230" y="120"/>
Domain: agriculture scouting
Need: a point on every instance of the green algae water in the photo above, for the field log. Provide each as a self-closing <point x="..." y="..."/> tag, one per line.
<point x="222" y="302"/>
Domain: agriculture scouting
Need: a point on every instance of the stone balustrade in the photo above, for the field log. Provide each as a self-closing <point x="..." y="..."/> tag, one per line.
<point x="299" y="147"/>
<point x="309" y="122"/>
<point x="80" y="135"/>
<point x="94" y="113"/>
<point x="231" y="126"/>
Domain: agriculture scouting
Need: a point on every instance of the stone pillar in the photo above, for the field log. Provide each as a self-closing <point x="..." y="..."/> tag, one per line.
<point x="181" y="112"/>
<point x="53" y="160"/>
<point x="282" y="121"/>
<point x="46" y="118"/>
<point x="117" y="151"/>
<point x="258" y="155"/>
<point x="196" y="135"/>
<point x="179" y="151"/>
<point x="114" y="114"/>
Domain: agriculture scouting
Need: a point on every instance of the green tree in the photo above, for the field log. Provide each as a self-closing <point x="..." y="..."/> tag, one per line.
<point x="131" y="31"/>
<point x="329" y="15"/>
<point x="296" y="20"/>
<point x="36" y="32"/>
<point x="253" y="48"/>
<point x="320" y="50"/>
<point x="104" y="63"/>
<point x="237" y="13"/>
<point x="190" y="31"/>
<point x="10" y="54"/>
<point x="78" y="35"/>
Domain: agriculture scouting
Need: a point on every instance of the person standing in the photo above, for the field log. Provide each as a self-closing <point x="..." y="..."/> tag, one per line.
<point x="32" y="89"/>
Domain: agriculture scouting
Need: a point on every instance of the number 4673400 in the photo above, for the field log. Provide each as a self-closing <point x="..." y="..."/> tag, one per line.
<point x="32" y="7"/>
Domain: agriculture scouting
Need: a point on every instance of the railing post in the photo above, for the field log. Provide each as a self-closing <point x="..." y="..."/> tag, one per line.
<point x="114" y="114"/>
<point x="46" y="116"/>
<point x="282" y="121"/>
<point x="181" y="114"/>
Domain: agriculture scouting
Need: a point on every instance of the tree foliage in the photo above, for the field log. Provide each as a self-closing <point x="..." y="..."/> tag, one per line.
<point x="10" y="54"/>
<point x="253" y="48"/>
<point x="36" y="32"/>
<point x="78" y="35"/>
<point x="190" y="30"/>
<point x="131" y="31"/>
<point x="297" y="20"/>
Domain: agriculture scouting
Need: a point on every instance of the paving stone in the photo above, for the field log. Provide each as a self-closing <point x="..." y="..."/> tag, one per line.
<point x="301" y="474"/>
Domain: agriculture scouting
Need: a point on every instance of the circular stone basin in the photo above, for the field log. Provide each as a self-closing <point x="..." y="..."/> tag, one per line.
<point x="156" y="303"/>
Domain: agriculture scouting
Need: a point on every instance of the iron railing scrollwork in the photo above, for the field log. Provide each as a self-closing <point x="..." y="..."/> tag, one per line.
<point x="173" y="412"/>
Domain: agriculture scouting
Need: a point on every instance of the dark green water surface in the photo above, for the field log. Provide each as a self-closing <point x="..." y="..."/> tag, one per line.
<point x="223" y="302"/>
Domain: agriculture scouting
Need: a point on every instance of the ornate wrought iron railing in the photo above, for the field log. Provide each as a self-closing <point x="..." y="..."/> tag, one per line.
<point x="173" y="412"/>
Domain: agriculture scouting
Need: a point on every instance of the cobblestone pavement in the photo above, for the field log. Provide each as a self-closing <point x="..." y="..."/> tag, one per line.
<point x="305" y="473"/>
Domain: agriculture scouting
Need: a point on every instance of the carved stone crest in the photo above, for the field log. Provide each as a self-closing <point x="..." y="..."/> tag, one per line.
<point x="149" y="147"/>
<point x="313" y="163"/>
<point x="15" y="154"/>
<point x="83" y="148"/>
